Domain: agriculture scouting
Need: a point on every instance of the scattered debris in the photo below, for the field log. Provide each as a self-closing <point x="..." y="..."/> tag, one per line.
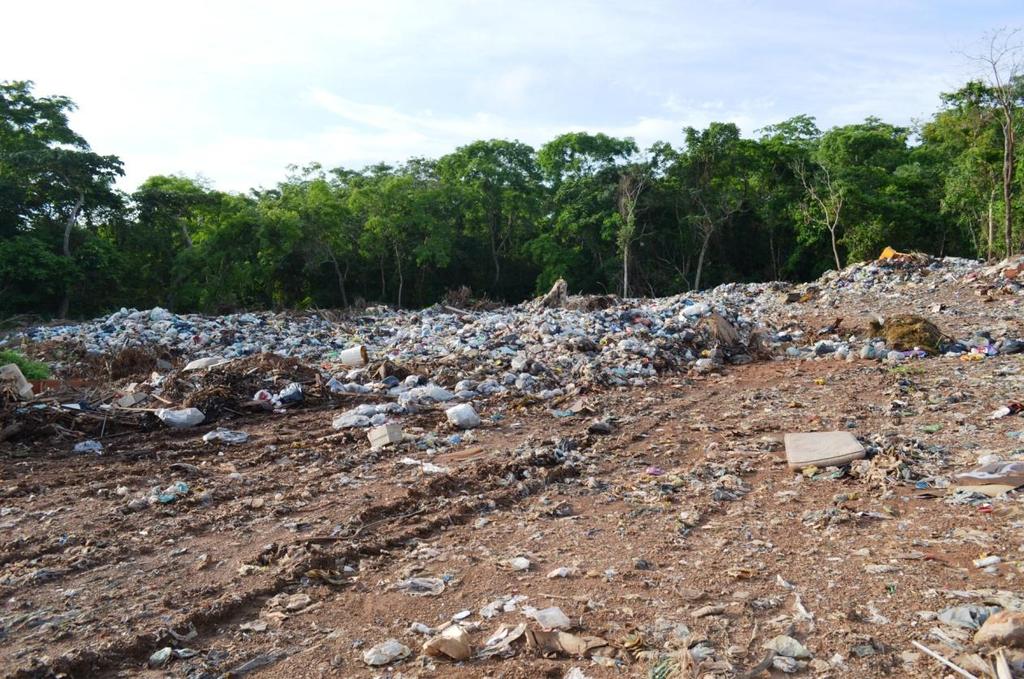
<point x="822" y="449"/>
<point x="386" y="653"/>
<point x="384" y="435"/>
<point x="184" y="417"/>
<point x="452" y="643"/>
<point x="226" y="436"/>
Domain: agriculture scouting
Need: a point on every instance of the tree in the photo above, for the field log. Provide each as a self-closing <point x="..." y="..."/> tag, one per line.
<point x="403" y="219"/>
<point x="50" y="170"/>
<point x="714" y="182"/>
<point x="967" y="135"/>
<point x="632" y="183"/>
<point x="776" y="192"/>
<point x="1005" y="88"/>
<point x="500" y="193"/>
<point x="170" y="213"/>
<point x="825" y="199"/>
<point x="583" y="173"/>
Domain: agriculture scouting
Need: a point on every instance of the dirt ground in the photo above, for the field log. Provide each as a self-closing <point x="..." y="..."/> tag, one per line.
<point x="687" y="504"/>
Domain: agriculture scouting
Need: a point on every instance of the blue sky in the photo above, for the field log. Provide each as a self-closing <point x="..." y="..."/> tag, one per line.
<point x="236" y="91"/>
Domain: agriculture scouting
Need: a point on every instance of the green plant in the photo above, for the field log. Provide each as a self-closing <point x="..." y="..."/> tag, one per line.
<point x="32" y="370"/>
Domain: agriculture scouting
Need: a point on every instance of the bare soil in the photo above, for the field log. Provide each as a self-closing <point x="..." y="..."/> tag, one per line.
<point x="687" y="504"/>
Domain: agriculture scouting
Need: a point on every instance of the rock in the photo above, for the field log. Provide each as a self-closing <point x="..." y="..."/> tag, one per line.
<point x="787" y="646"/>
<point x="386" y="652"/>
<point x="1005" y="628"/>
<point x="706" y="611"/>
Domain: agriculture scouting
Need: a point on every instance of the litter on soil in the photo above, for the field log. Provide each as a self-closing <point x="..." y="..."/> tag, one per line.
<point x="748" y="481"/>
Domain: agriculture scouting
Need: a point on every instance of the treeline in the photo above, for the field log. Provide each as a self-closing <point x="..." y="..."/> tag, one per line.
<point x="500" y="217"/>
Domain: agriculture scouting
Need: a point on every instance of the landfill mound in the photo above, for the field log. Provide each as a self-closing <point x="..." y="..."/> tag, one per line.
<point x="756" y="480"/>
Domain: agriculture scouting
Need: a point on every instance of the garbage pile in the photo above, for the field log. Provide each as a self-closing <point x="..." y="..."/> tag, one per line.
<point x="527" y="346"/>
<point x="1003" y="278"/>
<point x="545" y="348"/>
<point x="198" y="393"/>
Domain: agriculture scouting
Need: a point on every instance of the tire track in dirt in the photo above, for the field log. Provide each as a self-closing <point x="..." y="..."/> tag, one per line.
<point x="487" y="480"/>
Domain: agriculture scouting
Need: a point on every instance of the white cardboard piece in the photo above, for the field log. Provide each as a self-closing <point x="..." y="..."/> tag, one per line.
<point x="822" y="449"/>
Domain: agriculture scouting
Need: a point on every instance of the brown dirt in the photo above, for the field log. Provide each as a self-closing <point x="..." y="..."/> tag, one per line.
<point x="91" y="590"/>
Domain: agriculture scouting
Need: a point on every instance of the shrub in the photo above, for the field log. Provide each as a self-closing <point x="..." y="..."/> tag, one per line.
<point x="32" y="370"/>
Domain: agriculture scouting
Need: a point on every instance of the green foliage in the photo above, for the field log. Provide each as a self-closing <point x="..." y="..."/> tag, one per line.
<point x="708" y="207"/>
<point x="32" y="370"/>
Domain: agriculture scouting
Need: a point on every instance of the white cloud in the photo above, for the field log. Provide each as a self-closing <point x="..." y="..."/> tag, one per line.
<point x="239" y="90"/>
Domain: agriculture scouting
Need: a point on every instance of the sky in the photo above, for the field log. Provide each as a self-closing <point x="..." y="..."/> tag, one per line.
<point x="235" y="92"/>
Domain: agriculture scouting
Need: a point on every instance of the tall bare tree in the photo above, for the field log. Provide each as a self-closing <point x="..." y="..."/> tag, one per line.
<point x="631" y="185"/>
<point x="1004" y="69"/>
<point x="825" y="200"/>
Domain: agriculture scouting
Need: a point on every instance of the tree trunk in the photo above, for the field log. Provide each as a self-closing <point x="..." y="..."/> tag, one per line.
<point x="340" y="277"/>
<point x="1008" y="153"/>
<point x="72" y="218"/>
<point x="625" y="272"/>
<point x="186" y="236"/>
<point x="835" y="250"/>
<point x="401" y="279"/>
<point x="700" y="261"/>
<point x="494" y="257"/>
<point x="65" y="301"/>
<point x="991" y="225"/>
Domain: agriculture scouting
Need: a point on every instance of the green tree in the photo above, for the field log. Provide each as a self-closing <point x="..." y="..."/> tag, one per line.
<point x="498" y="185"/>
<point x="48" y="173"/>
<point x="583" y="171"/>
<point x="714" y="178"/>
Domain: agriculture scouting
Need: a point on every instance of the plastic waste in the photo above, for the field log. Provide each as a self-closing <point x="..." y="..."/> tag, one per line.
<point x="384" y="435"/>
<point x="463" y="416"/>
<point x="11" y="373"/>
<point x="350" y="421"/>
<point x="453" y="644"/>
<point x="88" y="447"/>
<point x="208" y="362"/>
<point x="549" y="618"/>
<point x="172" y="492"/>
<point x="386" y="653"/>
<point x="355" y="356"/>
<point x="185" y="417"/>
<point x="290" y="394"/>
<point x="226" y="436"/>
<point x="421" y="586"/>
